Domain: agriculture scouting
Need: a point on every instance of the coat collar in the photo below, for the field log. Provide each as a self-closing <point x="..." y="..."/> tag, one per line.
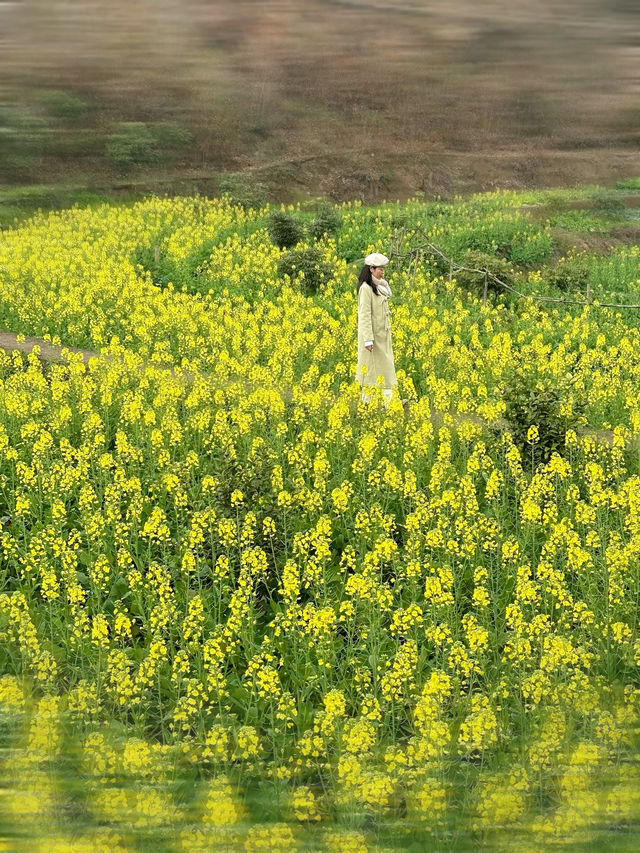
<point x="383" y="285"/>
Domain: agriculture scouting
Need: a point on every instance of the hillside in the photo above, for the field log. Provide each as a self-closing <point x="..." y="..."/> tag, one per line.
<point x="349" y="99"/>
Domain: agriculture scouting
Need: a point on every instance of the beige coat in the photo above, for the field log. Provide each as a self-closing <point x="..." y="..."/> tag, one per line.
<point x="374" y="324"/>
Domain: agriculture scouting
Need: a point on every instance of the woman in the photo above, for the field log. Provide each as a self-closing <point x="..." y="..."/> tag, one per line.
<point x="374" y="326"/>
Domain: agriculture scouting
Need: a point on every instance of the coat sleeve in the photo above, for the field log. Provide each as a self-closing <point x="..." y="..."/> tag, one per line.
<point x="365" y="308"/>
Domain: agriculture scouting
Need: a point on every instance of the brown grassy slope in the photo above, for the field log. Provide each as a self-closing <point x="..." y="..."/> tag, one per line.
<point x="389" y="97"/>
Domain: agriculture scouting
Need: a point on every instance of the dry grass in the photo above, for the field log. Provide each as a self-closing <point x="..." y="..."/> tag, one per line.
<point x="389" y="97"/>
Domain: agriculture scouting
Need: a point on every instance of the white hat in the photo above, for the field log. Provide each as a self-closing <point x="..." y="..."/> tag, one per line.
<point x="376" y="260"/>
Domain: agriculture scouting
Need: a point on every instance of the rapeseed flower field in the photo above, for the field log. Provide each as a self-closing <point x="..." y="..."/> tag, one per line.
<point x="242" y="609"/>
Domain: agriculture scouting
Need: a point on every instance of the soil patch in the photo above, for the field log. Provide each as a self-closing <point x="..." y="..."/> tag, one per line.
<point x="49" y="352"/>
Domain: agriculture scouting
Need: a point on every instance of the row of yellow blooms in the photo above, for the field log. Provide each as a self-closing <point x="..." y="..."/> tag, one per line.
<point x="382" y="623"/>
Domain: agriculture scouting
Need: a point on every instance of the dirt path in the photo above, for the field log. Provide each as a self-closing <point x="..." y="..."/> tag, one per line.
<point x="53" y="353"/>
<point x="48" y="352"/>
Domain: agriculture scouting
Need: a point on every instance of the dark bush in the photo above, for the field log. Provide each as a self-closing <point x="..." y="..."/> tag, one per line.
<point x="284" y="229"/>
<point x="307" y="261"/>
<point x="327" y="221"/>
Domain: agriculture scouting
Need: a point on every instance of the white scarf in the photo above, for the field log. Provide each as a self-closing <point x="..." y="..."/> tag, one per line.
<point x="382" y="285"/>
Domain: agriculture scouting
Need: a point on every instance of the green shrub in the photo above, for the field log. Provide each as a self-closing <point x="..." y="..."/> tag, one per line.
<point x="131" y="145"/>
<point x="607" y="203"/>
<point x="530" y="401"/>
<point x="170" y="137"/>
<point x="402" y="219"/>
<point x="161" y="269"/>
<point x="628" y="184"/>
<point x="582" y="221"/>
<point x="63" y="105"/>
<point x="169" y="134"/>
<point x="474" y="282"/>
<point x="284" y="229"/>
<point x="16" y="168"/>
<point x="21" y="130"/>
<point x="308" y="261"/>
<point x="616" y="272"/>
<point x="244" y="190"/>
<point x="327" y="221"/>
<point x="570" y="274"/>
<point x="497" y="233"/>
<point x="529" y="247"/>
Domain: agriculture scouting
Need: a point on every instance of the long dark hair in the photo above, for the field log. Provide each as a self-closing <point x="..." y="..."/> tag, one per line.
<point x="365" y="276"/>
